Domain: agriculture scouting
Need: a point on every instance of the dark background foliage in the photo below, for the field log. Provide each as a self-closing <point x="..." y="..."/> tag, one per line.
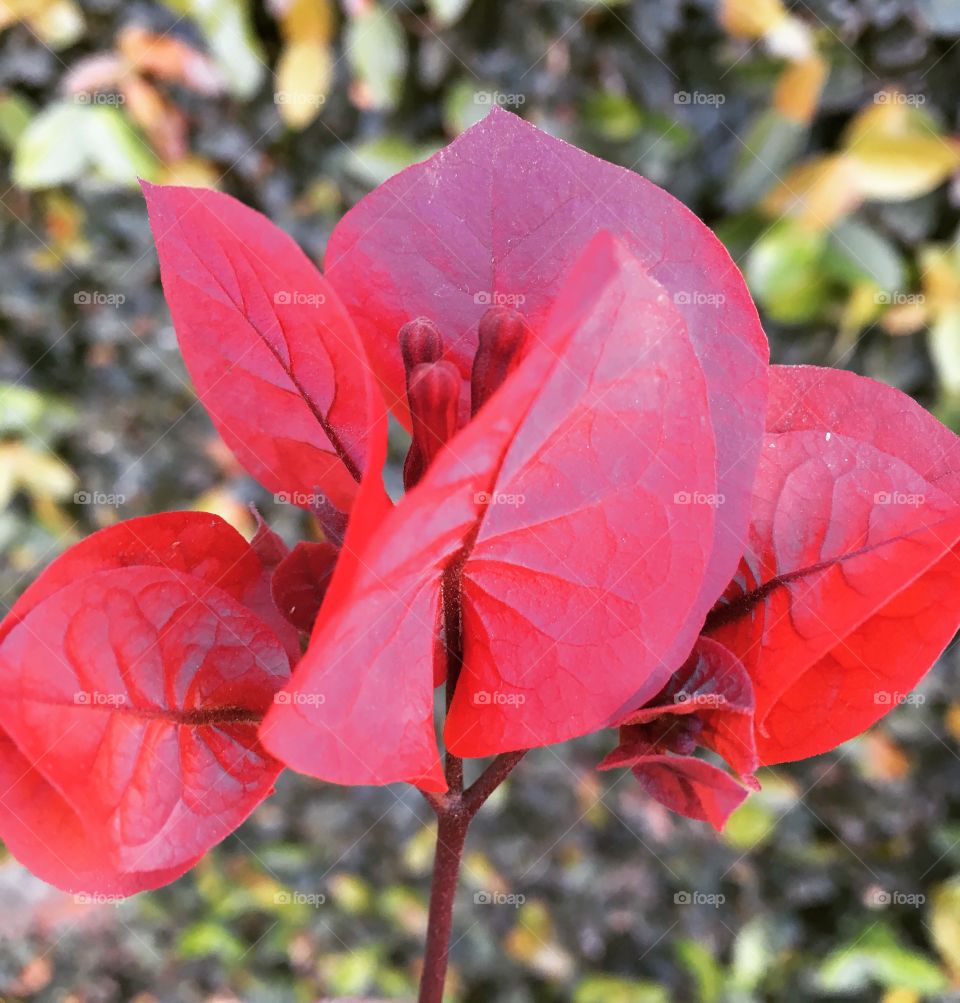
<point x="841" y="880"/>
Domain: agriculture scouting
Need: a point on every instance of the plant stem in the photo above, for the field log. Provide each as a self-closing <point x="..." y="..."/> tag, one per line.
<point x="491" y="778"/>
<point x="455" y="811"/>
<point x="451" y="836"/>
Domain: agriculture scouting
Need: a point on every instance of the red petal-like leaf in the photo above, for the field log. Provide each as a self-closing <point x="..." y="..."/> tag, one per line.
<point x="713" y="685"/>
<point x="845" y="595"/>
<point x="135" y="694"/>
<point x="355" y="711"/>
<point x="267" y="544"/>
<point x="584" y="567"/>
<point x="578" y="568"/>
<point x="500" y="216"/>
<point x="301" y="580"/>
<point x="45" y="834"/>
<point x="691" y="787"/>
<point x="634" y="746"/>
<point x="274" y="356"/>
<point x="195" y="543"/>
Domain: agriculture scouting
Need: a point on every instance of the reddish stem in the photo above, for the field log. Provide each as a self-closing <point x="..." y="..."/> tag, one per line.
<point x="455" y="809"/>
<point x="455" y="812"/>
<point x="491" y="778"/>
<point x="451" y="836"/>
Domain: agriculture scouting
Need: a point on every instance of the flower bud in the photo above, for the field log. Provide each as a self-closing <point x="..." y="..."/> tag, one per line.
<point x="433" y="393"/>
<point x="502" y="337"/>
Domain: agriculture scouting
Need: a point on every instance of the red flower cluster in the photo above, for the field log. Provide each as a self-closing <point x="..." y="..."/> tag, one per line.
<point x="616" y="515"/>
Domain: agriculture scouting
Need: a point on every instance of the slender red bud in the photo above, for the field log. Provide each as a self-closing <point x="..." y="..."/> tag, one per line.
<point x="433" y="394"/>
<point x="420" y="342"/>
<point x="502" y="336"/>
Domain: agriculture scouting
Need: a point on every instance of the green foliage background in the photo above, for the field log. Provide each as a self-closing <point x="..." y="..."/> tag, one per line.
<point x="819" y="141"/>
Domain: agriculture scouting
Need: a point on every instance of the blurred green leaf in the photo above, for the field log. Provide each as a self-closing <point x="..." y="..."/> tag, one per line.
<point x="39" y="473"/>
<point x="208" y="939"/>
<point x="898" y="149"/>
<point x="228" y="31"/>
<point x="24" y="411"/>
<point x="447" y="12"/>
<point x="376" y="48"/>
<point x="351" y="973"/>
<point x="461" y="109"/>
<point x="52" y="149"/>
<point x="373" y="162"/>
<point x="350" y="893"/>
<point x="945" y="923"/>
<point x="609" y="989"/>
<point x="613" y="116"/>
<point x="15" y="114"/>
<point x="405" y="909"/>
<point x="944" y="340"/>
<point x="753" y="955"/>
<point x="769" y="147"/>
<point x="752" y="824"/>
<point x="704" y="968"/>
<point x="856" y="251"/>
<point x="783" y="270"/>
<point x="68" y="141"/>
<point x="877" y="958"/>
